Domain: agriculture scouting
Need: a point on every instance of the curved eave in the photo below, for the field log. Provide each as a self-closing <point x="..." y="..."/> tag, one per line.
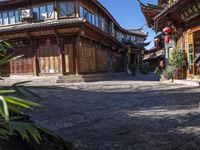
<point x="150" y="11"/>
<point x="139" y="45"/>
<point x="99" y="5"/>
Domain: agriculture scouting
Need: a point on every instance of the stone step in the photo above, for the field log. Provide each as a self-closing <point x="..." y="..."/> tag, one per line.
<point x="69" y="80"/>
<point x="53" y="79"/>
<point x="42" y="80"/>
<point x="70" y="77"/>
<point x="80" y="78"/>
<point x="188" y="82"/>
<point x="88" y="77"/>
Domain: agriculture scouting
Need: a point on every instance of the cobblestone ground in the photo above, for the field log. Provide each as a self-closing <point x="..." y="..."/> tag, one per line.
<point x="123" y="115"/>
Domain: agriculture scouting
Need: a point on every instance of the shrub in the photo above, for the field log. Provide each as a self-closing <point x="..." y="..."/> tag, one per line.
<point x="169" y="72"/>
<point x="177" y="58"/>
<point x="133" y="68"/>
<point x="144" y="68"/>
<point x="158" y="71"/>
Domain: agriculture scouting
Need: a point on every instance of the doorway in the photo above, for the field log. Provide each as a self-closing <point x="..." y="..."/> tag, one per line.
<point x="196" y="37"/>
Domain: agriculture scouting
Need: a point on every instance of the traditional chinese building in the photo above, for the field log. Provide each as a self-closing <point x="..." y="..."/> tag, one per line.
<point x="61" y="37"/>
<point x="180" y="22"/>
<point x="155" y="56"/>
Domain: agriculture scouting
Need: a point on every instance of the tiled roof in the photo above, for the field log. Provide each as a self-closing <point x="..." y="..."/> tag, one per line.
<point x="40" y="25"/>
<point x="136" y="44"/>
<point x="9" y="2"/>
<point x="138" y="32"/>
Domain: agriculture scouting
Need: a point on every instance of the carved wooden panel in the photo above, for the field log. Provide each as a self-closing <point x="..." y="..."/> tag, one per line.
<point x="49" y="59"/>
<point x="24" y="64"/>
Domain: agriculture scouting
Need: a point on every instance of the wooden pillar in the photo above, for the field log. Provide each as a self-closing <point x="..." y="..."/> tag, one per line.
<point x="61" y="53"/>
<point x="77" y="8"/>
<point x="97" y="48"/>
<point x="34" y="47"/>
<point x="77" y="47"/>
<point x="138" y="57"/>
<point x="35" y="58"/>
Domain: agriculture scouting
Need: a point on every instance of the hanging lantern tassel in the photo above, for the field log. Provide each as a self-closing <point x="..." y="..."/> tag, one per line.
<point x="167" y="39"/>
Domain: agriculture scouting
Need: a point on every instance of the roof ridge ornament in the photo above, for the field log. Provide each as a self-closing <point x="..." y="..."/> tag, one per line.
<point x="141" y="3"/>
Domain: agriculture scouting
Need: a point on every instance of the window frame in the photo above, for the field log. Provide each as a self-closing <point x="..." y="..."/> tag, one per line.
<point x="46" y="11"/>
<point x="16" y="18"/>
<point x="66" y="16"/>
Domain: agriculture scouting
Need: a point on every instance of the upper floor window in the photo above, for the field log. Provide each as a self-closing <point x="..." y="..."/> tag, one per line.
<point x="111" y="28"/>
<point x="36" y="12"/>
<point x="89" y="16"/>
<point x="119" y="36"/>
<point x="82" y="12"/>
<point x="10" y="17"/>
<point x="66" y="8"/>
<point x="96" y="21"/>
<point x="139" y="39"/>
<point x="50" y="11"/>
<point x="5" y="18"/>
<point x="132" y="38"/>
<point x="123" y="37"/>
<point x="103" y="24"/>
<point x="44" y="12"/>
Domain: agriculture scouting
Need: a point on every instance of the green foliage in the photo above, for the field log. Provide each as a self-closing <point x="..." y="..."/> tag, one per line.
<point x="12" y="102"/>
<point x="177" y="58"/>
<point x="169" y="72"/>
<point x="144" y="68"/>
<point x="133" y="68"/>
<point x="176" y="61"/>
<point x="158" y="71"/>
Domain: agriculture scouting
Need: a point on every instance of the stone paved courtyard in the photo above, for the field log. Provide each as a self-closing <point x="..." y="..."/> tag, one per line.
<point x="123" y="115"/>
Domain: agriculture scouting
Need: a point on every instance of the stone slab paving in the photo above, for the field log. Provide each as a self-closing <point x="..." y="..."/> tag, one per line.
<point x="123" y="115"/>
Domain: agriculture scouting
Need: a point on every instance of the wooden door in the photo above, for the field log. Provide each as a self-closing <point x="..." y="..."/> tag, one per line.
<point x="190" y="55"/>
<point x="69" y="58"/>
<point x="87" y="58"/>
<point x="49" y="59"/>
<point x="24" y="64"/>
<point x="102" y="59"/>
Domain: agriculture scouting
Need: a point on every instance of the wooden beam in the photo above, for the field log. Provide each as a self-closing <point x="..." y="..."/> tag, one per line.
<point x="34" y="50"/>
<point x="61" y="51"/>
<point x="76" y="52"/>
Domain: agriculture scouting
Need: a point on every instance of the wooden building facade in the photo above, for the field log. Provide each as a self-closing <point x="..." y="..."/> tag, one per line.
<point x="182" y="18"/>
<point x="64" y="37"/>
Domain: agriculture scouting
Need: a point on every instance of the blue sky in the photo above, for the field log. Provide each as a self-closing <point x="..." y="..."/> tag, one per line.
<point x="128" y="15"/>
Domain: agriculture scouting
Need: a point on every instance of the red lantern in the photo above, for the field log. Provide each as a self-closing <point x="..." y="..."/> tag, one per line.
<point x="167" y="39"/>
<point x="167" y="30"/>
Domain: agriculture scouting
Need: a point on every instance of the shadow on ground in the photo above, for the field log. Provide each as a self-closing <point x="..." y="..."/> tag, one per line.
<point x="122" y="116"/>
<point x="137" y="77"/>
